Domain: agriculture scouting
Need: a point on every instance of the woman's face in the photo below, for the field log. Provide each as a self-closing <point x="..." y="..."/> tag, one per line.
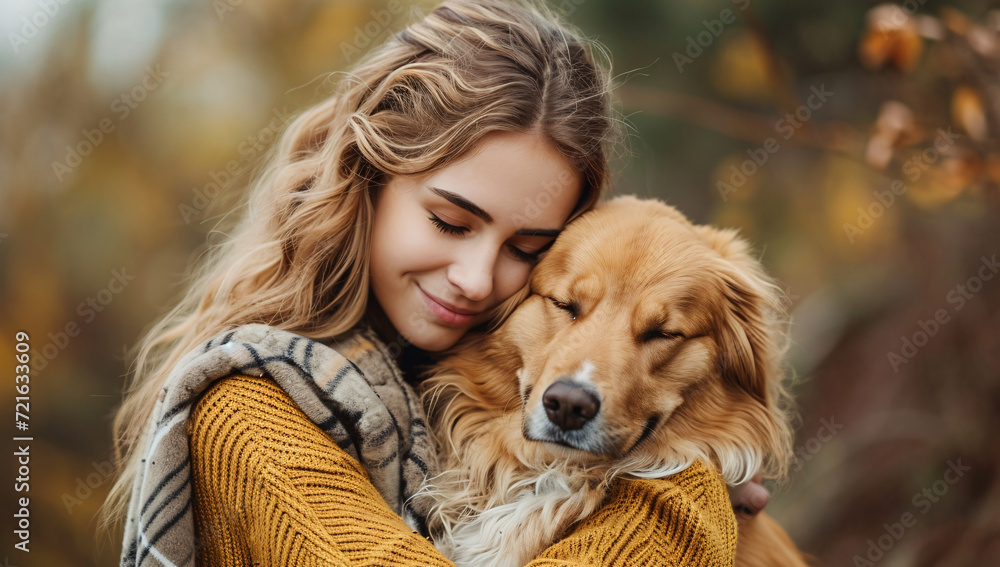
<point x="449" y="247"/>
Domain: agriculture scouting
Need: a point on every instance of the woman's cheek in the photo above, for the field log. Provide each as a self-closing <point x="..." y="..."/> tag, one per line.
<point x="429" y="244"/>
<point x="511" y="277"/>
<point x="418" y="236"/>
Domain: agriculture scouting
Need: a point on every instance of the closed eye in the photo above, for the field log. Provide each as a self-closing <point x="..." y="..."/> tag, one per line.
<point x="568" y="307"/>
<point x="520" y="255"/>
<point x="529" y="257"/>
<point x="660" y="334"/>
<point x="445" y="227"/>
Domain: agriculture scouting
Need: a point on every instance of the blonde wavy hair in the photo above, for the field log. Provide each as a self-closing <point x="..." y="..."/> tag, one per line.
<point x="298" y="258"/>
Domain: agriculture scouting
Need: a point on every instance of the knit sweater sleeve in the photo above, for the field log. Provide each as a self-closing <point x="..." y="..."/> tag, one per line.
<point x="682" y="520"/>
<point x="271" y="488"/>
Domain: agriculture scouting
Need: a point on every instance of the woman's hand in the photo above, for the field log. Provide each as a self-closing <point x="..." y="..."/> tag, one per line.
<point x="750" y="497"/>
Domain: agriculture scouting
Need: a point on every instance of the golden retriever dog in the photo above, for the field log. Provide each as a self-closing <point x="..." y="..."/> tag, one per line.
<point x="646" y="343"/>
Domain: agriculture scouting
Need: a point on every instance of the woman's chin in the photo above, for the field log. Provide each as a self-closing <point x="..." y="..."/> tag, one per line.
<point x="435" y="338"/>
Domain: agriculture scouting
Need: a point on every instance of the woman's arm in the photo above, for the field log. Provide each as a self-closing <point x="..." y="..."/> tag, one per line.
<point x="685" y="520"/>
<point x="270" y="488"/>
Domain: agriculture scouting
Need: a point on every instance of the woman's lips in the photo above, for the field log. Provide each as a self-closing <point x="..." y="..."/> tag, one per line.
<point x="446" y="313"/>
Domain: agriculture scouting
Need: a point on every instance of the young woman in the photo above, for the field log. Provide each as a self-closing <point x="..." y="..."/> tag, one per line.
<point x="272" y="418"/>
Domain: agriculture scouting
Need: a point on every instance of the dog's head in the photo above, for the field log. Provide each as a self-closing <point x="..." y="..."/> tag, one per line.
<point x="648" y="338"/>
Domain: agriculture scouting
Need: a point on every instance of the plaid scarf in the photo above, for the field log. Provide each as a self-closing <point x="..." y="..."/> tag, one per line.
<point x="350" y="387"/>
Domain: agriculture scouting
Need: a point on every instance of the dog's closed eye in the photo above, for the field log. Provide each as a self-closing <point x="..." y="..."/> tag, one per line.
<point x="658" y="334"/>
<point x="568" y="307"/>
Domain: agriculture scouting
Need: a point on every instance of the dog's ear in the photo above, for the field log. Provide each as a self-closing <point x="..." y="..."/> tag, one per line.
<point x="748" y="352"/>
<point x="748" y="331"/>
<point x="751" y="338"/>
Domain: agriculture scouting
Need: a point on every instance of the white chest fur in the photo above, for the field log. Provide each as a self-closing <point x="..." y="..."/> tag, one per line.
<point x="519" y="524"/>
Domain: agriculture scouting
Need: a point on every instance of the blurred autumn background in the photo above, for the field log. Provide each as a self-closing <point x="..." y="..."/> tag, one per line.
<point x="855" y="144"/>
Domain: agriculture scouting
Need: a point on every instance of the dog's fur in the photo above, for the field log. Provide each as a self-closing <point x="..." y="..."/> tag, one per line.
<point x="677" y="331"/>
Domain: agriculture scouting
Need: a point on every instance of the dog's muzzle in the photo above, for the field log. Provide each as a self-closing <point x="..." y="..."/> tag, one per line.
<point x="569" y="414"/>
<point x="569" y="406"/>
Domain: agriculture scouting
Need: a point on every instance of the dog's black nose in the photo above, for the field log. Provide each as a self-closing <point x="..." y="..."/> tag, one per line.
<point x="569" y="406"/>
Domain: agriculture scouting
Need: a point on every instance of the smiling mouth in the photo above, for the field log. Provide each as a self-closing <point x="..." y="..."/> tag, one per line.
<point x="451" y="307"/>
<point x="581" y="451"/>
<point x="562" y="442"/>
<point x="590" y="442"/>
<point x="585" y="443"/>
<point x="559" y="442"/>
<point x="447" y="314"/>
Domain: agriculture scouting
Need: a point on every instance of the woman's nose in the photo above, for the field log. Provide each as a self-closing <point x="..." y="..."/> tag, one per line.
<point x="472" y="272"/>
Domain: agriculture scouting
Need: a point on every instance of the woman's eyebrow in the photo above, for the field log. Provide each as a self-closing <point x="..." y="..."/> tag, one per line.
<point x="539" y="231"/>
<point x="460" y="201"/>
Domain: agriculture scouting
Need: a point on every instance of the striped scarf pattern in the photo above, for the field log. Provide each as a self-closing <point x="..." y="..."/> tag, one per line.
<point x="349" y="386"/>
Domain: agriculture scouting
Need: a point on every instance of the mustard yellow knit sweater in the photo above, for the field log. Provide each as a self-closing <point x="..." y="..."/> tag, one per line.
<point x="270" y="488"/>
